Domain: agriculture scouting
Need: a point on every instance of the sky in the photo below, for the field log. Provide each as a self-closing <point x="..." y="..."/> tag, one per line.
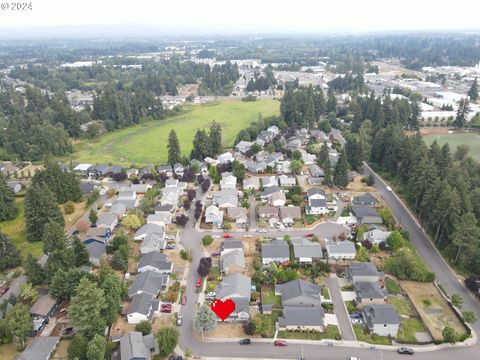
<point x="249" y="16"/>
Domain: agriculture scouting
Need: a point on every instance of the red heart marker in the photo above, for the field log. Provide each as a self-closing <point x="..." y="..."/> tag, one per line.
<point x="223" y="308"/>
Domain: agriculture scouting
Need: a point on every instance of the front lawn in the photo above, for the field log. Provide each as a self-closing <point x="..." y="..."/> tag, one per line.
<point x="331" y="332"/>
<point x="310" y="219"/>
<point x="269" y="297"/>
<point x="271" y="320"/>
<point x="393" y="287"/>
<point x="362" y="335"/>
<point x="350" y="305"/>
<point x="401" y="305"/>
<point x="325" y="293"/>
<point x="408" y="328"/>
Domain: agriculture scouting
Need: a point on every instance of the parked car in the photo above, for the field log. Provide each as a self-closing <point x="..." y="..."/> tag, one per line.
<point x="215" y="253"/>
<point x="280" y="343"/>
<point x="227" y="236"/>
<point x="170" y="247"/>
<point x="198" y="283"/>
<point x="4" y="290"/>
<point x="356" y="321"/>
<point x="262" y="230"/>
<point x="184" y="299"/>
<point x="309" y="235"/>
<point x="405" y="351"/>
<point x="353" y="358"/>
<point x="389" y="189"/>
<point x="179" y="320"/>
<point x="245" y="342"/>
<point x="248" y="235"/>
<point x="166" y="308"/>
<point x="356" y="315"/>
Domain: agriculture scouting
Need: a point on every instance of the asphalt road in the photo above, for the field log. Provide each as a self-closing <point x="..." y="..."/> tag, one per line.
<point x="191" y="239"/>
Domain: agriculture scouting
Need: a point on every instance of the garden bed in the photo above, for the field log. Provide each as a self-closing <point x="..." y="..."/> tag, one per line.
<point x="331" y="332"/>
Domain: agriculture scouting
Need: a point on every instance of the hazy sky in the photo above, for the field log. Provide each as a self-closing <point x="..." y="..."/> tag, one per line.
<point x="247" y="16"/>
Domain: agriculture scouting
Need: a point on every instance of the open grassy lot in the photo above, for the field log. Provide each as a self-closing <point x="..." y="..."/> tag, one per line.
<point x="470" y="139"/>
<point x="9" y="351"/>
<point x="409" y="328"/>
<point x="433" y="308"/>
<point x="401" y="304"/>
<point x="331" y="332"/>
<point x="16" y="230"/>
<point x="393" y="287"/>
<point x="71" y="219"/>
<point x="362" y="335"/>
<point x="269" y="297"/>
<point x="147" y="143"/>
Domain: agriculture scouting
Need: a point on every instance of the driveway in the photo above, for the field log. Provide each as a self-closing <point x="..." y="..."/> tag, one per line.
<point x="343" y="318"/>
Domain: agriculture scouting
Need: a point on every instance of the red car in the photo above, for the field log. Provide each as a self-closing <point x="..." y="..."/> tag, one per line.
<point x="184" y="300"/>
<point x="4" y="290"/>
<point x="280" y="343"/>
<point x="309" y="235"/>
<point x="227" y="236"/>
<point x="199" y="283"/>
<point x="166" y="308"/>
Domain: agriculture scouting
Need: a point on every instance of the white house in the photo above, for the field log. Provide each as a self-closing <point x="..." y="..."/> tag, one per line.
<point x="381" y="319"/>
<point x="286" y="181"/>
<point x="376" y="236"/>
<point x="142" y="308"/>
<point x="225" y="158"/>
<point x="214" y="215"/>
<point x="316" y="207"/>
<point x="228" y="182"/>
<point x="278" y="199"/>
<point x="340" y="250"/>
<point x="269" y="181"/>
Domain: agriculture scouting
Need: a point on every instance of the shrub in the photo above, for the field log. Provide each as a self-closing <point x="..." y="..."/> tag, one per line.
<point x="145" y="327"/>
<point x="450" y="335"/>
<point x="207" y="240"/>
<point x="69" y="207"/>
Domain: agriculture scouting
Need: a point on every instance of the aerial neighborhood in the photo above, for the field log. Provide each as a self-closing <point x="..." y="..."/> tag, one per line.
<point x="303" y="205"/>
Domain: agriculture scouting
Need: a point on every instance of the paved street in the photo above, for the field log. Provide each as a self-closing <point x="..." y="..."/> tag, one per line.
<point x="343" y="317"/>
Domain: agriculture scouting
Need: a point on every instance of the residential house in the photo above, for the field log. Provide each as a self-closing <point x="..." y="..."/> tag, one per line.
<point x="238" y="214"/>
<point x="256" y="166"/>
<point x="283" y="167"/>
<point x="119" y="209"/>
<point x="381" y="319"/>
<point x="228" y="182"/>
<point x="362" y="272"/>
<point x="108" y="221"/>
<point x="365" y="199"/>
<point x="265" y="194"/>
<point x="302" y="318"/>
<point x="340" y="250"/>
<point x="165" y="169"/>
<point x="146" y="171"/>
<point x="170" y="197"/>
<point x="225" y="198"/>
<point x="162" y="218"/>
<point x="97" y="234"/>
<point x="278" y="199"/>
<point x="273" y="158"/>
<point x="288" y="214"/>
<point x="268" y="181"/>
<point x="155" y="261"/>
<point x="148" y="229"/>
<point x="129" y="204"/>
<point x="225" y="158"/>
<point x="178" y="169"/>
<point x="214" y="216"/>
<point x="276" y="250"/>
<point x="42" y="310"/>
<point x="316" y="193"/>
<point x="152" y="243"/>
<point x="232" y="261"/>
<point x="142" y="308"/>
<point x="316" y="171"/>
<point x="82" y="169"/>
<point x="251" y="183"/>
<point x="88" y="187"/>
<point x="135" y="346"/>
<point x="150" y="282"/>
<point x="367" y="293"/>
<point x="139" y="189"/>
<point x="171" y="183"/>
<point x="132" y="172"/>
<point x="366" y="215"/>
<point x="236" y="287"/>
<point x="96" y="251"/>
<point x="287" y="181"/>
<point x="268" y="213"/>
<point x="41" y="348"/>
<point x="316" y="207"/>
<point x="15" y="187"/>
<point x="307" y="158"/>
<point x="376" y="236"/>
<point x="299" y="293"/>
<point x="305" y="251"/>
<point x="294" y="144"/>
<point x="243" y="146"/>
<point x="164" y="209"/>
<point x="127" y="194"/>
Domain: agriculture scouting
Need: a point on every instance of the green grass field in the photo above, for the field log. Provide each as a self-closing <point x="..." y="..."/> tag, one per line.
<point x="472" y="140"/>
<point x="147" y="143"/>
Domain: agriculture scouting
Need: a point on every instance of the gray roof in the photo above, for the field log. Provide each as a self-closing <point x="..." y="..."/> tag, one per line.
<point x="302" y="316"/>
<point x="306" y="249"/>
<point x="156" y="260"/>
<point x="41" y="348"/>
<point x="363" y="211"/>
<point x="363" y="269"/>
<point x="316" y="170"/>
<point x="143" y="304"/>
<point x="317" y="202"/>
<point x="44" y="304"/>
<point x="234" y="257"/>
<point x="340" y="247"/>
<point x="148" y="229"/>
<point x="118" y="208"/>
<point x="315" y="191"/>
<point x="107" y="219"/>
<point x="369" y="290"/>
<point x="129" y="204"/>
<point x="133" y="347"/>
<point x="232" y="244"/>
<point x="276" y="248"/>
<point x="380" y="314"/>
<point x="96" y="249"/>
<point x="296" y="288"/>
<point x="149" y="282"/>
<point x="152" y="242"/>
<point x="366" y="198"/>
<point x="234" y="286"/>
<point x="270" y="190"/>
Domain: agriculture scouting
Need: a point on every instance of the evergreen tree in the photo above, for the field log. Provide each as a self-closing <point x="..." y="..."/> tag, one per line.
<point x="473" y="92"/>
<point x="466" y="238"/>
<point x="77" y="350"/>
<point x="340" y="174"/>
<point x="9" y="255"/>
<point x="82" y="257"/>
<point x="19" y="322"/>
<point x="92" y="216"/>
<point x="205" y="320"/>
<point x="86" y="309"/>
<point x="332" y="101"/>
<point x="462" y="112"/>
<point x="8" y="209"/>
<point x="327" y="169"/>
<point x="239" y="170"/>
<point x="323" y="156"/>
<point x="63" y="284"/>
<point x="33" y="270"/>
<point x="96" y="348"/>
<point x="40" y="208"/>
<point x="61" y="258"/>
<point x="215" y="139"/>
<point x="112" y="288"/>
<point x="173" y="146"/>
<point x="201" y="145"/>
<point x="53" y="237"/>
<point x="354" y="151"/>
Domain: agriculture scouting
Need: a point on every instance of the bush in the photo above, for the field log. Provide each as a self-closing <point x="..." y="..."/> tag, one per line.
<point x="167" y="340"/>
<point x="145" y="327"/>
<point x="69" y="207"/>
<point x="406" y="264"/>
<point x="450" y="335"/>
<point x="207" y="240"/>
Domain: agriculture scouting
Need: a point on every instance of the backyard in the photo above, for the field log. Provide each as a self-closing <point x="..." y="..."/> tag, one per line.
<point x="401" y="305"/>
<point x="433" y="308"/>
<point x="147" y="143"/>
<point x="269" y="297"/>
